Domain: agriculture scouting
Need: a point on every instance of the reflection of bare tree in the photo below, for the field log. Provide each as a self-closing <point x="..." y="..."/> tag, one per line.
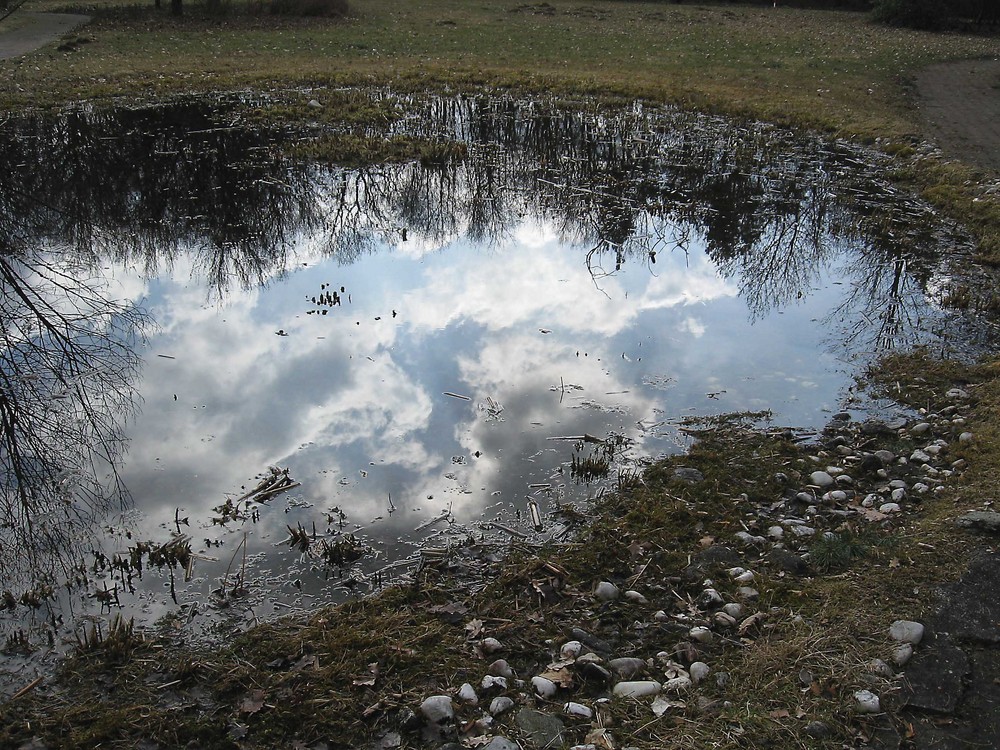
<point x="67" y="359"/>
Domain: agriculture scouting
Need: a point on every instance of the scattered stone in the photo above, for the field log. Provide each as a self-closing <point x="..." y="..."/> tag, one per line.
<point x="627" y="667"/>
<point x="544" y="687"/>
<point x="880" y="668"/>
<point x="467" y="694"/>
<point x="606" y="592"/>
<point x="821" y="479"/>
<point x="500" y="705"/>
<point x="890" y="508"/>
<point x="748" y="593"/>
<point x="898" y="495"/>
<point x="570" y="649"/>
<point x="920" y="457"/>
<point x="491" y="645"/>
<point x="965" y="438"/>
<point x="734" y="609"/>
<point x="957" y="393"/>
<point x="921" y="428"/>
<point x="637" y="688"/>
<point x="493" y="681"/>
<point x="578" y="709"/>
<point x="906" y="631"/>
<point x="501" y="668"/>
<point x="701" y="634"/>
<point x="636" y="597"/>
<point x="699" y="670"/>
<point x="722" y="679"/>
<point x="710" y="599"/>
<point x="866" y="702"/>
<point x="438" y="709"/>
<point x="776" y="533"/>
<point x="902" y="654"/>
<point x="502" y="743"/>
<point x="314" y="103"/>
<point x="540" y="730"/>
<point x="689" y="475"/>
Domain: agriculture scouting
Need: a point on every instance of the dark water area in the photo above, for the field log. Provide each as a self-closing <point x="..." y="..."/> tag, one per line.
<point x="424" y="352"/>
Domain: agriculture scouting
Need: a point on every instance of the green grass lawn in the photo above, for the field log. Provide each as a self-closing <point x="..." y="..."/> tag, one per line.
<point x="833" y="71"/>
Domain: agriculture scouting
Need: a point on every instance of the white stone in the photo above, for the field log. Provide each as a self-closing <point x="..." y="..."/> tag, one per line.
<point x="637" y="689"/>
<point x="501" y="668"/>
<point x="965" y="438"/>
<point x="920" y="457"/>
<point x="956" y="393"/>
<point x="776" y="532"/>
<point x="501" y="705"/>
<point x="578" y="709"/>
<point x="492" y="681"/>
<point x="543" y="686"/>
<point x="699" y="670"/>
<point x="867" y="702"/>
<point x="701" y="634"/>
<point x="467" y="694"/>
<point x="906" y="631"/>
<point x="803" y="531"/>
<point x="920" y="429"/>
<point x="898" y="495"/>
<point x="491" y="645"/>
<point x="438" y="709"/>
<point x="748" y="593"/>
<point x="746" y="576"/>
<point x="921" y="489"/>
<point x="889" y="508"/>
<point x="606" y="592"/>
<point x="571" y="649"/>
<point x="879" y="667"/>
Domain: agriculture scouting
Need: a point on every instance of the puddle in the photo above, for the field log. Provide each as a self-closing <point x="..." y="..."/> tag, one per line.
<point x="428" y="355"/>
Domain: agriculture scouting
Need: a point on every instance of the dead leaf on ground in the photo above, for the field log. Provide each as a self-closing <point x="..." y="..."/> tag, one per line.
<point x="561" y="676"/>
<point x="252" y="702"/>
<point x="473" y="628"/>
<point x="369" y="679"/>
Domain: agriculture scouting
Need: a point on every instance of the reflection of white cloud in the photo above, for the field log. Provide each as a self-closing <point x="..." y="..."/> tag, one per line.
<point x="693" y="326"/>
<point x="548" y="285"/>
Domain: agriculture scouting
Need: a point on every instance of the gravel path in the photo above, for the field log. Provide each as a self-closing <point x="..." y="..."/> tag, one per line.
<point x="960" y="107"/>
<point x="35" y="30"/>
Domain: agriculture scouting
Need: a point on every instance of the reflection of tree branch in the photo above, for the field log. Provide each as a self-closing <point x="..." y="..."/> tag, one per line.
<point x="67" y="359"/>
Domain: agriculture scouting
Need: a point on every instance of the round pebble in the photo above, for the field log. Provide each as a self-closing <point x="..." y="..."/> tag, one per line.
<point x="606" y="592"/>
<point x="906" y="631"/>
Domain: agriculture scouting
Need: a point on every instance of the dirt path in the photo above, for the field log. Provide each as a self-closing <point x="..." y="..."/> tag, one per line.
<point x="28" y="31"/>
<point x="960" y="107"/>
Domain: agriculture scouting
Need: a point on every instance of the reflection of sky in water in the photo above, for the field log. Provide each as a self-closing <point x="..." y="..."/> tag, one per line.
<point x="354" y="403"/>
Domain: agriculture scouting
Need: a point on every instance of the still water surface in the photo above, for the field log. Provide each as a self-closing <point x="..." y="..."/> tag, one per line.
<point x="408" y="341"/>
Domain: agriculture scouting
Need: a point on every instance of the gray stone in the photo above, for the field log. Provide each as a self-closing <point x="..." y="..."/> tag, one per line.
<point x="906" y="631"/>
<point x="606" y="592"/>
<point x="636" y="597"/>
<point x="438" y="709"/>
<point x="501" y="668"/>
<point x="689" y="475"/>
<point x="980" y="520"/>
<point x="902" y="654"/>
<point x="921" y="428"/>
<point x="957" y="393"/>
<point x="627" y="667"/>
<point x="821" y="479"/>
<point x="501" y="743"/>
<point x="540" y="730"/>
<point x="467" y="694"/>
<point x="866" y="702"/>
